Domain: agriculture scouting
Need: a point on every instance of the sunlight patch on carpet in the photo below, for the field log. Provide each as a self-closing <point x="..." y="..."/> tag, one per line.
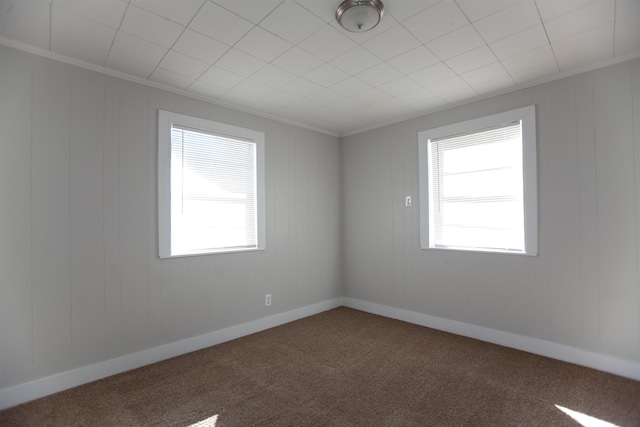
<point x="209" y="422"/>
<point x="584" y="419"/>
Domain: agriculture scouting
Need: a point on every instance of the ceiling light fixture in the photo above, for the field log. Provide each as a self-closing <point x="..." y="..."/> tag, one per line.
<point x="359" y="15"/>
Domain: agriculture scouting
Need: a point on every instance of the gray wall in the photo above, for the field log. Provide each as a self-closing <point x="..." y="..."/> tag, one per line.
<point x="583" y="288"/>
<point x="80" y="280"/>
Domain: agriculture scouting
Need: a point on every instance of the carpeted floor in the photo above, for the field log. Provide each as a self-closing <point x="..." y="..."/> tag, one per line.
<point x="344" y="368"/>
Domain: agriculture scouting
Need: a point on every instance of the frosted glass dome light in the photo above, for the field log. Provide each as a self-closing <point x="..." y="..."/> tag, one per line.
<point x="359" y="15"/>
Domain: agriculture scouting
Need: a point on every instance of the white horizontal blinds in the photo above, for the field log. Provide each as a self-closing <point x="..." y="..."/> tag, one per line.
<point x="477" y="190"/>
<point x="213" y="191"/>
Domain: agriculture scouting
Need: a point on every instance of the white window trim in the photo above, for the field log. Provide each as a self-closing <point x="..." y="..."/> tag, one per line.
<point x="165" y="121"/>
<point x="527" y="115"/>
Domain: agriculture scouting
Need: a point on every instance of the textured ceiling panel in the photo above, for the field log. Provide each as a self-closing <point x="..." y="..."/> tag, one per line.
<point x="289" y="59"/>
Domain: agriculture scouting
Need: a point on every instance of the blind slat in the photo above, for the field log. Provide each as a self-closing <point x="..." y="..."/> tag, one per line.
<point x="213" y="195"/>
<point x="477" y="189"/>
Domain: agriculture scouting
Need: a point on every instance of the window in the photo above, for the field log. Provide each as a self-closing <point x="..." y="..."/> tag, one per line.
<point x="210" y="187"/>
<point x="478" y="185"/>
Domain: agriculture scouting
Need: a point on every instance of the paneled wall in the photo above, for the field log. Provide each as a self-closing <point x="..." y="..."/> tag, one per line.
<point x="80" y="279"/>
<point x="583" y="289"/>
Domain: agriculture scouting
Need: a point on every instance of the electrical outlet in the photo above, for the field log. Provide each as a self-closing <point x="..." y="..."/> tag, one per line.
<point x="408" y="202"/>
<point x="267" y="300"/>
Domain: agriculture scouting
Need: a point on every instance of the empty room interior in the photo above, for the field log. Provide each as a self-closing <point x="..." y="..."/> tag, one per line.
<point x="177" y="175"/>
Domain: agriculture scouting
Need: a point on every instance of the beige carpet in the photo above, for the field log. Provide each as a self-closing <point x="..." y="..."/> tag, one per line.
<point x="344" y="368"/>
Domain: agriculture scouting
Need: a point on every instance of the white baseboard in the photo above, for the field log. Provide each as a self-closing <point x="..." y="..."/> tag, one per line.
<point x="624" y="368"/>
<point x="26" y="392"/>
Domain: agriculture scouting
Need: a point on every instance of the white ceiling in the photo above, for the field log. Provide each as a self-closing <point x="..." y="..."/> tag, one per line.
<point x="290" y="59"/>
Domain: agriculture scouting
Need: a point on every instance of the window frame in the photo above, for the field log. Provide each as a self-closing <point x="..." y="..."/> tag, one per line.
<point x="166" y="120"/>
<point x="527" y="117"/>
